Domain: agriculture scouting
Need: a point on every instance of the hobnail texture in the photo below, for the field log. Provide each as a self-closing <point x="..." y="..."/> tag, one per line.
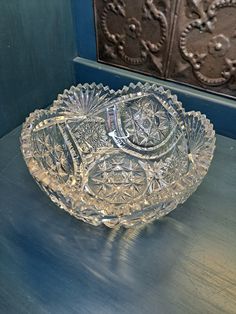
<point x="119" y="158"/>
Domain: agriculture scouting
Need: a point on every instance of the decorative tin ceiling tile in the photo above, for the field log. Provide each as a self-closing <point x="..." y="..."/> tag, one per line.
<point x="190" y="41"/>
<point x="204" y="47"/>
<point x="134" y="35"/>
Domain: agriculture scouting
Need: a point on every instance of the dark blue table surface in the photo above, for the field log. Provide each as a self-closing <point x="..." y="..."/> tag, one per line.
<point x="52" y="263"/>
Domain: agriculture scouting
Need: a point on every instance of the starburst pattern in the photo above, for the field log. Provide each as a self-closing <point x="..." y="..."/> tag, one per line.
<point x="118" y="179"/>
<point x="90" y="134"/>
<point x="146" y="123"/>
<point x="53" y="154"/>
<point x="157" y="179"/>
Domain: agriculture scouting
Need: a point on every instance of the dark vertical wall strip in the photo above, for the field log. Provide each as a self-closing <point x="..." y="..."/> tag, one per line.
<point x="85" y="28"/>
<point x="36" y="51"/>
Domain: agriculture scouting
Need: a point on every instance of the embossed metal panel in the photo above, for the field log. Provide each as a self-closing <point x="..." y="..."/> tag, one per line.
<point x="134" y="35"/>
<point x="190" y="41"/>
<point x="204" y="45"/>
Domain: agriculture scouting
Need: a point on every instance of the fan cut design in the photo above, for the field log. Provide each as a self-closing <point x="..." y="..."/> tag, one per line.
<point x="84" y="100"/>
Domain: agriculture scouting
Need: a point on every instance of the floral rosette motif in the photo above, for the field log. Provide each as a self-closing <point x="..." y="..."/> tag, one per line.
<point x="214" y="63"/>
<point x="119" y="158"/>
<point x="132" y="44"/>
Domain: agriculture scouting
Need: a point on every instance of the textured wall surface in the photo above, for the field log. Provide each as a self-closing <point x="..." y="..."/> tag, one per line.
<point x="190" y="41"/>
<point x="36" y="52"/>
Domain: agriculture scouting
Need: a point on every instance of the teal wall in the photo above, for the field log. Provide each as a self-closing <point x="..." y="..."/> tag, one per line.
<point x="37" y="46"/>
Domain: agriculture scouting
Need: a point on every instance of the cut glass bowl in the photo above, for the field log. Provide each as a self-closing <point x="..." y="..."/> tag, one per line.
<point x="119" y="158"/>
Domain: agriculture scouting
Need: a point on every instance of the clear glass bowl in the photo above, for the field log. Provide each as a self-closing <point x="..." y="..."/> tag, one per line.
<point x="119" y="158"/>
